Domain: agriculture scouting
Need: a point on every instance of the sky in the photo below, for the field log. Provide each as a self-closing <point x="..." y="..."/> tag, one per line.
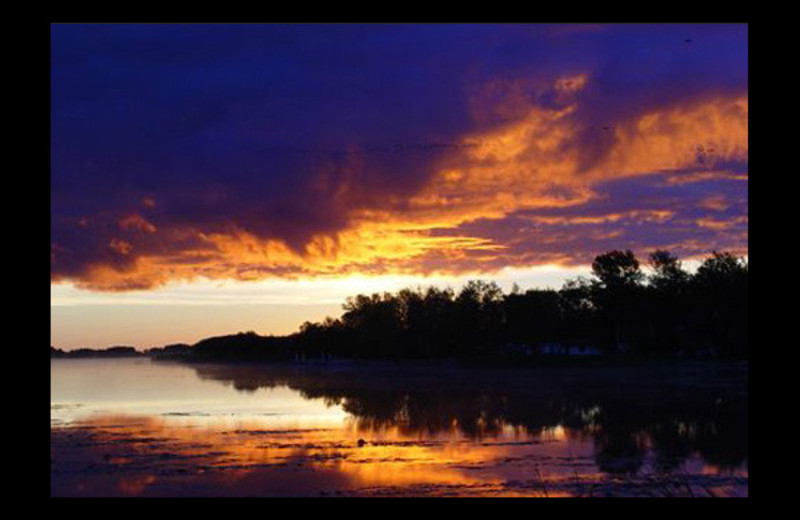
<point x="207" y="179"/>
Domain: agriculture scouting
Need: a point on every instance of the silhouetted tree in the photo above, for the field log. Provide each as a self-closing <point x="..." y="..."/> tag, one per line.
<point x="617" y="269"/>
<point x="667" y="303"/>
<point x="669" y="312"/>
<point x="720" y="289"/>
<point x="578" y="311"/>
<point x="668" y="272"/>
<point x="617" y="295"/>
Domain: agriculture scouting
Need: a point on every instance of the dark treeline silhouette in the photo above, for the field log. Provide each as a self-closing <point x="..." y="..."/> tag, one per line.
<point x="618" y="310"/>
<point x="110" y="352"/>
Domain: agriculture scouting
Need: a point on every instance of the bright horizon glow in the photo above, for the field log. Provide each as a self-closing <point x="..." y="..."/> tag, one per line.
<point x="186" y="312"/>
<point x="310" y="291"/>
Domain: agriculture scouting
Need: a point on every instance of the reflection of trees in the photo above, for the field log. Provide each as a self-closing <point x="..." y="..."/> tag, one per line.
<point x="675" y="418"/>
<point x="675" y="443"/>
<point x="720" y="441"/>
<point x="619" y="450"/>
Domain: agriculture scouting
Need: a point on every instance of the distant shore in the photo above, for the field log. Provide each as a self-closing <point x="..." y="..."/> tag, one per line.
<point x="111" y="352"/>
<point x="487" y="361"/>
<point x="619" y="314"/>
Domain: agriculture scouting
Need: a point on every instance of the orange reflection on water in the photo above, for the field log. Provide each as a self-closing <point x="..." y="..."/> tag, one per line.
<point x="172" y="430"/>
<point x="152" y="455"/>
<point x="157" y="456"/>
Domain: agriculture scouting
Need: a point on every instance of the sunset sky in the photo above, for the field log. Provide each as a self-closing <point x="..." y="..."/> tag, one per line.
<point x="207" y="179"/>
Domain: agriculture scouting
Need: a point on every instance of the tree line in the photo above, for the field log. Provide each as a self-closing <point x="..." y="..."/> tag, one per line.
<point x="618" y="309"/>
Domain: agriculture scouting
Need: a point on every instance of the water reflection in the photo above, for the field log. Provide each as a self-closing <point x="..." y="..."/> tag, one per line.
<point x="432" y="431"/>
<point x="671" y="412"/>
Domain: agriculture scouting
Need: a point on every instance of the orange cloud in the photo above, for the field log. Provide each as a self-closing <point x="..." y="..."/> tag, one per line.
<point x="120" y="246"/>
<point x="535" y="158"/>
<point x="136" y="222"/>
<point x="715" y="202"/>
<point x="721" y="224"/>
<point x="696" y="136"/>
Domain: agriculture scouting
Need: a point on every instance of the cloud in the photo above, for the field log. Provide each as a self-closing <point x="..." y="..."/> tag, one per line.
<point x="120" y="246"/>
<point x="137" y="222"/>
<point x="297" y="151"/>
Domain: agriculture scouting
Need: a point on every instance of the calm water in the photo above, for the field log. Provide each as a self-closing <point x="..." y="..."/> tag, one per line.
<point x="136" y="427"/>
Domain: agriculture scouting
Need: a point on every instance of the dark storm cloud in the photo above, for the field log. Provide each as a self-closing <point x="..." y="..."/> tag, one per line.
<point x="288" y="133"/>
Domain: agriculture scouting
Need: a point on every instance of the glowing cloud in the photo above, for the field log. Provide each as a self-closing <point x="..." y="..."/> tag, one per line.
<point x="495" y="163"/>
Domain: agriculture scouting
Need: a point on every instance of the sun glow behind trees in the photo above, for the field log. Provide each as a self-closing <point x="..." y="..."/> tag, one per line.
<point x="186" y="312"/>
<point x="189" y="311"/>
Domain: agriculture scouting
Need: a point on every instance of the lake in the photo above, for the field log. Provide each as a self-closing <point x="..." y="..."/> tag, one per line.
<point x="136" y="427"/>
